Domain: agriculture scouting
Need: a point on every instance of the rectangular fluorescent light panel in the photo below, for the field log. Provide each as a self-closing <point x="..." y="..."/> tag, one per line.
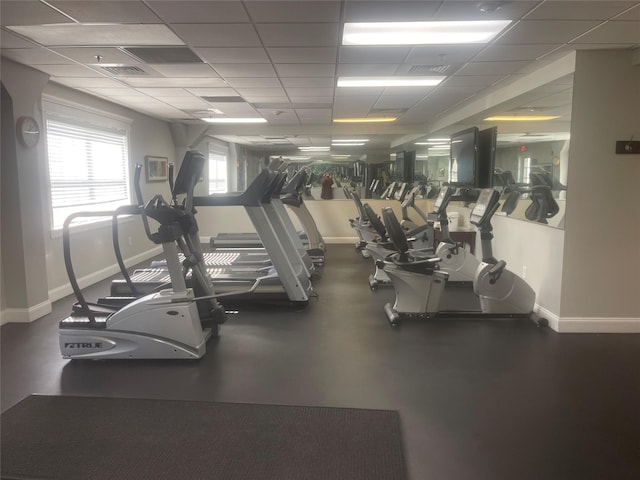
<point x="102" y="35"/>
<point x="314" y="149"/>
<point x="422" y="33"/>
<point x="348" y="140"/>
<point x="234" y="120"/>
<point x="365" y="120"/>
<point x="431" y="81"/>
<point x="521" y="118"/>
<point x="347" y="144"/>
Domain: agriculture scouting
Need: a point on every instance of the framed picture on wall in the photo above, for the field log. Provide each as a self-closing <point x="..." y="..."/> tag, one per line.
<point x="157" y="168"/>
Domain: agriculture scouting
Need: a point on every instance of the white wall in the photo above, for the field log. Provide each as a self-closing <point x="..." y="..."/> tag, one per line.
<point x="601" y="274"/>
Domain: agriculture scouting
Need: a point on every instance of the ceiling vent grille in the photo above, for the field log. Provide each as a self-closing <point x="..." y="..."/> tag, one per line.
<point x="164" y="54"/>
<point x="125" y="71"/>
<point x="422" y="69"/>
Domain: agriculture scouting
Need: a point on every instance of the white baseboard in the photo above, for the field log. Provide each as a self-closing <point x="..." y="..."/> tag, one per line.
<point x="598" y="325"/>
<point x="589" y="325"/>
<point x="551" y="317"/>
<point x="95" y="277"/>
<point x="25" y="315"/>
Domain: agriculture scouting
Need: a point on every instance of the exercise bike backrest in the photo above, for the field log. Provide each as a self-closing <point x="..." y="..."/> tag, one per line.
<point x="375" y="222"/>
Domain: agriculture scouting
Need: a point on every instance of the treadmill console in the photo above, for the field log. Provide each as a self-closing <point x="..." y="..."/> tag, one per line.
<point x="485" y="207"/>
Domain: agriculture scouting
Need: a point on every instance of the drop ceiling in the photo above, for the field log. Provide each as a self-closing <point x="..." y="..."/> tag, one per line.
<point x="180" y="60"/>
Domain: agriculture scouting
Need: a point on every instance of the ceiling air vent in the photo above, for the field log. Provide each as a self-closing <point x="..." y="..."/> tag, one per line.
<point x="125" y="71"/>
<point x="164" y="54"/>
<point x="422" y="69"/>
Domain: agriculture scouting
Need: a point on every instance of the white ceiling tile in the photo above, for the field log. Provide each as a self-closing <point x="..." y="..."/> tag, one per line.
<point x="217" y="35"/>
<point x="213" y="92"/>
<point x="35" y="56"/>
<point x="89" y="54"/>
<point x="442" y="54"/>
<point x="90" y="82"/>
<point x="109" y="92"/>
<point x="310" y="92"/>
<point x="490" y="68"/>
<point x="165" y="92"/>
<point x="303" y="54"/>
<point x="68" y="71"/>
<point x="356" y="69"/>
<point x="578" y="10"/>
<point x="182" y="11"/>
<point x="184" y="70"/>
<point x="233" y="55"/>
<point x="278" y="115"/>
<point x="258" y="82"/>
<point x="613" y="32"/>
<point x="298" y="34"/>
<point x="314" y="116"/>
<point x="111" y="11"/>
<point x="261" y="92"/>
<point x="415" y="92"/>
<point x="30" y="12"/>
<point x="305" y="70"/>
<point x="469" y="10"/>
<point x="235" y="109"/>
<point x="189" y="82"/>
<point x="396" y="11"/>
<point x="471" y="80"/>
<point x="354" y="106"/>
<point x="308" y="82"/>
<point x="344" y="94"/>
<point x="373" y="54"/>
<point x="288" y="11"/>
<point x="555" y="31"/>
<point x="501" y="53"/>
<point x="398" y="101"/>
<point x="191" y="103"/>
<point x="326" y="100"/>
<point x="259" y="99"/>
<point x="244" y="70"/>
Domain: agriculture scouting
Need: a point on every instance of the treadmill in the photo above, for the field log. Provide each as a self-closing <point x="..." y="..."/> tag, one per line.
<point x="286" y="280"/>
<point x="291" y="195"/>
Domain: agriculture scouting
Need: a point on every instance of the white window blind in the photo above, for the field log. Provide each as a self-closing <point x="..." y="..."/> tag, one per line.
<point x="88" y="168"/>
<point x="217" y="169"/>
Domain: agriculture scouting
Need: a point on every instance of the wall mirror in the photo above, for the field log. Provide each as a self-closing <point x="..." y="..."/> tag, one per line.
<point x="530" y="162"/>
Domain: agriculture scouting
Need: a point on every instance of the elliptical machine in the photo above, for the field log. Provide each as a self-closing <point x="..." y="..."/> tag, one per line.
<point x="419" y="283"/>
<point x="170" y="324"/>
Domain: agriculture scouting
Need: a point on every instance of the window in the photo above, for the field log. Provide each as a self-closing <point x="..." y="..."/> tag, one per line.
<point x="88" y="167"/>
<point x="217" y="169"/>
<point x="524" y="168"/>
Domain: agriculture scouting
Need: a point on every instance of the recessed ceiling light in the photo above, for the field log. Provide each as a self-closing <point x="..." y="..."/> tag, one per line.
<point x="521" y="118"/>
<point x="431" y="81"/>
<point x="235" y="120"/>
<point x="349" y="140"/>
<point x="365" y="120"/>
<point x="314" y="149"/>
<point x="422" y="33"/>
<point x="347" y="144"/>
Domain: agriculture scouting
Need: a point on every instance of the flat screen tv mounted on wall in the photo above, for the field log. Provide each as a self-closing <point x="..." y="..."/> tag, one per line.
<point x="464" y="157"/>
